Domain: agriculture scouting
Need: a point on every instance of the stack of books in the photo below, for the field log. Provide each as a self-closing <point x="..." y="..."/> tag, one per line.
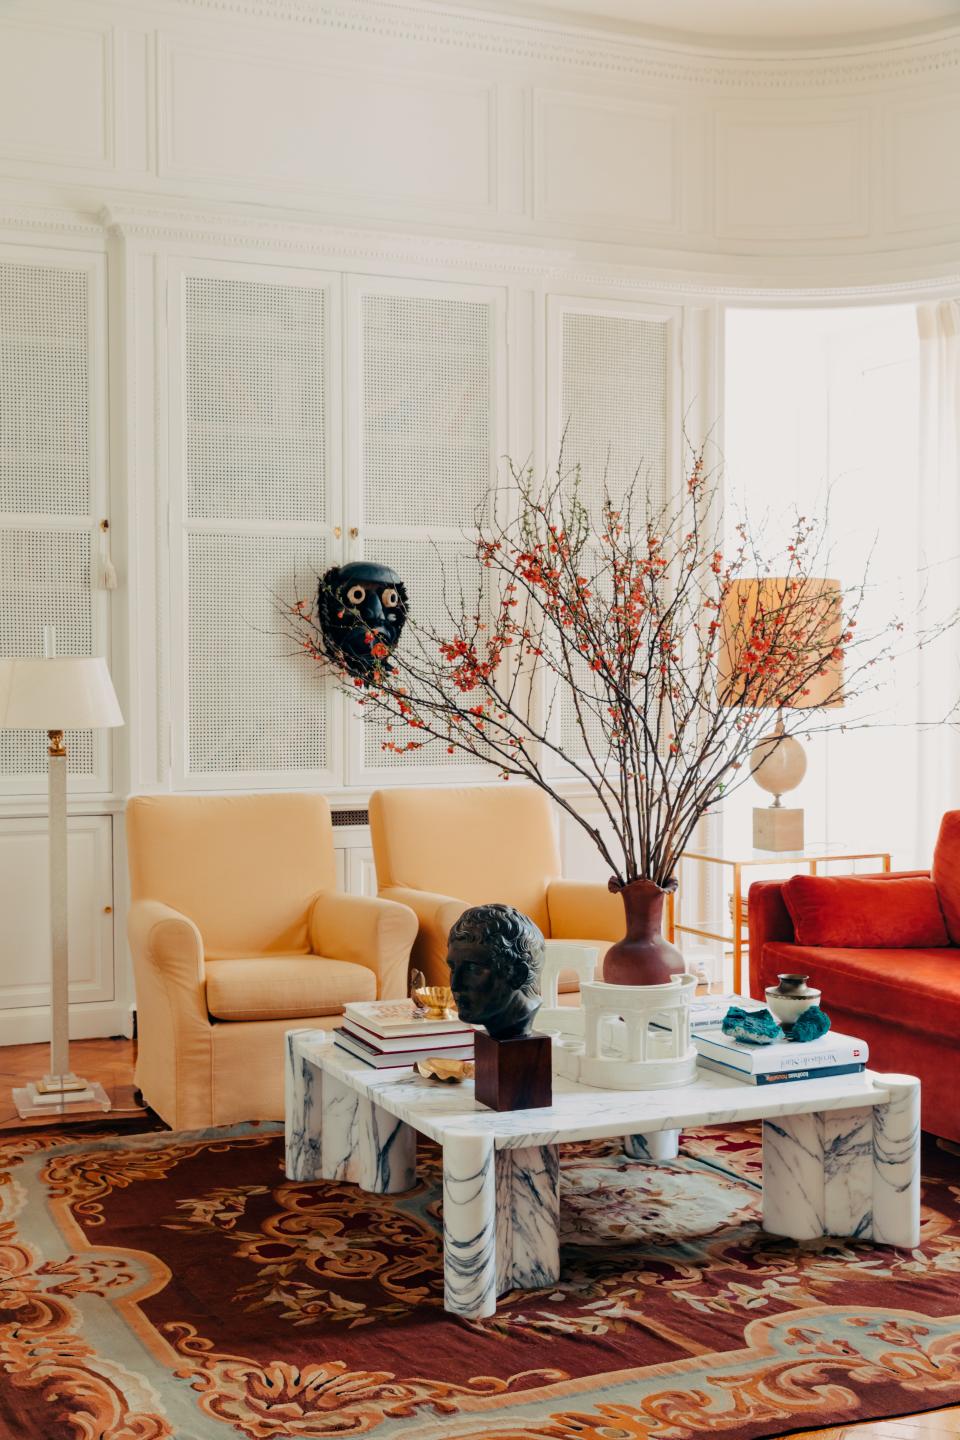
<point x="392" y="1034"/>
<point x="832" y="1054"/>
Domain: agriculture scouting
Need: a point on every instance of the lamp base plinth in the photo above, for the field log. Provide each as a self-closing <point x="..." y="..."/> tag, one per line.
<point x="39" y="1098"/>
<point x="776" y="828"/>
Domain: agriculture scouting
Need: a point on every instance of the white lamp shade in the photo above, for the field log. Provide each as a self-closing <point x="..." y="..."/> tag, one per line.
<point x="70" y="692"/>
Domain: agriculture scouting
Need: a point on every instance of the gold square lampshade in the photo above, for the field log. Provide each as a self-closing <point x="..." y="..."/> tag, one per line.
<point x="69" y="692"/>
<point x="775" y="618"/>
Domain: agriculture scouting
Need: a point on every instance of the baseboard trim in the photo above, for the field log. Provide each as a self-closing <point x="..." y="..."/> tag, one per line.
<point x="87" y="1022"/>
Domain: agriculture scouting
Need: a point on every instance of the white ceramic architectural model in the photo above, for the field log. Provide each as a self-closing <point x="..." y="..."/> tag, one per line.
<point x="635" y="1037"/>
<point x="560" y="957"/>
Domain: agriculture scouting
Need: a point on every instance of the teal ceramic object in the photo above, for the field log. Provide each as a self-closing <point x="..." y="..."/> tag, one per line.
<point x="755" y="1027"/>
<point x="810" y="1025"/>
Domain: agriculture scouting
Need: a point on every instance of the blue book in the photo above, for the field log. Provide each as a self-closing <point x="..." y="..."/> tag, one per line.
<point x="777" y="1077"/>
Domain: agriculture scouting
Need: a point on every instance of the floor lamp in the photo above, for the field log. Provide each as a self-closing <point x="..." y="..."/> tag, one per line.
<point x="58" y="694"/>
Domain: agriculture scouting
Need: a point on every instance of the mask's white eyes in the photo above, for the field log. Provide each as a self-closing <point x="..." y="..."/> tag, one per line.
<point x="356" y="594"/>
<point x="390" y="598"/>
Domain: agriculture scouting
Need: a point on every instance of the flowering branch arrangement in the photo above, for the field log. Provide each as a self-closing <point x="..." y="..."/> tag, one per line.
<point x="669" y="648"/>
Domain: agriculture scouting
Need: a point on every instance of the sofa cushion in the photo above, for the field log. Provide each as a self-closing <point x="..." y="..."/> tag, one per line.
<point x="916" y="989"/>
<point x="946" y="872"/>
<point x="284" y="987"/>
<point x="852" y="910"/>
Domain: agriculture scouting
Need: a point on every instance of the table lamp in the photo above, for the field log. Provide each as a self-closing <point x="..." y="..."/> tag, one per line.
<point x="806" y="616"/>
<point x="57" y="694"/>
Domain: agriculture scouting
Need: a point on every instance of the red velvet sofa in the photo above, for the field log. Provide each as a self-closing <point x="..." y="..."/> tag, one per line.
<point x="888" y="963"/>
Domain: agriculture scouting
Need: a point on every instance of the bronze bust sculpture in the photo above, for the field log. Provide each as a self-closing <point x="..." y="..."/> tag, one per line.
<point x="362" y="608"/>
<point x="495" y="955"/>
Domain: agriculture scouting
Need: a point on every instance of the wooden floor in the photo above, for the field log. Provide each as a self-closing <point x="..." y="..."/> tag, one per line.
<point x="111" y="1062"/>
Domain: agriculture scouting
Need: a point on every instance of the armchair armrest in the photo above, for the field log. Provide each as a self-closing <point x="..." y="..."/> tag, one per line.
<point x="169" y="946"/>
<point x="435" y="915"/>
<point x="582" y="910"/>
<point x="377" y="934"/>
<point x="169" y="942"/>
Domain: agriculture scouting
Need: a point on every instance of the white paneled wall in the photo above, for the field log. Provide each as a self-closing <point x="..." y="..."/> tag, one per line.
<point x="282" y="281"/>
<point x="728" y="163"/>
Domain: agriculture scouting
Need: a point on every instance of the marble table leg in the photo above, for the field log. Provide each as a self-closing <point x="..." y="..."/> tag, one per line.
<point x="363" y="1143"/>
<point x="469" y="1226"/>
<point x="661" y="1145"/>
<point x="528" y="1215"/>
<point x="846" y="1172"/>
<point x="302" y="1087"/>
<point x="896" y="1164"/>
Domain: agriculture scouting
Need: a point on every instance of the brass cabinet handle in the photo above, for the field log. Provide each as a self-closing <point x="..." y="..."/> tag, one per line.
<point x="336" y="532"/>
<point x="108" y="909"/>
<point x="354" y="531"/>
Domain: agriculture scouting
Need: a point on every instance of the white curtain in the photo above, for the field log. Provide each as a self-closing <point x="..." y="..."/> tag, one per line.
<point x="938" y="507"/>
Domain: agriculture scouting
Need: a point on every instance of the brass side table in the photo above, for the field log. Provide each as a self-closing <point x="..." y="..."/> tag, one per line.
<point x="810" y="859"/>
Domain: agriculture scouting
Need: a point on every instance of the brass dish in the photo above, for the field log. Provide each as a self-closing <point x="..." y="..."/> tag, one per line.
<point x="436" y="1002"/>
<point x="452" y="1072"/>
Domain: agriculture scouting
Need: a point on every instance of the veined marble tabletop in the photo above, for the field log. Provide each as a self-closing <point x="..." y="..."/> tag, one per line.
<point x="582" y="1112"/>
<point x="840" y="1154"/>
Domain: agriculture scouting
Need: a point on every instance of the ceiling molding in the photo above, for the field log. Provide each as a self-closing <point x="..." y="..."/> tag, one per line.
<point x="910" y="59"/>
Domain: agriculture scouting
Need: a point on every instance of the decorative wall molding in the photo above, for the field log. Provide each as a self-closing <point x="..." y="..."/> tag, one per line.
<point x="627" y="55"/>
<point x="655" y="273"/>
<point x="280" y="237"/>
<point x="781" y="173"/>
<point x="263" y="100"/>
<point x="34" y="220"/>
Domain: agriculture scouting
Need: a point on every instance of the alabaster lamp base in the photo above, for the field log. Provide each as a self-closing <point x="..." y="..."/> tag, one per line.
<point x="777" y="828"/>
<point x="41" y="1098"/>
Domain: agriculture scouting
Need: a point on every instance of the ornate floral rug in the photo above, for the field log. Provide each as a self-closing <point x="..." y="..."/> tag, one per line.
<point x="179" y="1285"/>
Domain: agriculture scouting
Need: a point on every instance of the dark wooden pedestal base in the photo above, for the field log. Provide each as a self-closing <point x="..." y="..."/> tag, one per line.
<point x="513" y="1074"/>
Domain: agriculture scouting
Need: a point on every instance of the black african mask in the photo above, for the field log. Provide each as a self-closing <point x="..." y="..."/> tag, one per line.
<point x="495" y="955"/>
<point x="362" y="608"/>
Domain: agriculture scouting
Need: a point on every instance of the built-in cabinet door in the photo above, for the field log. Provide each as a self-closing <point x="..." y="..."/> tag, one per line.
<point x="613" y="412"/>
<point x="25" y="932"/>
<point x="256" y="517"/>
<point x="426" y="430"/>
<point x="53" y="492"/>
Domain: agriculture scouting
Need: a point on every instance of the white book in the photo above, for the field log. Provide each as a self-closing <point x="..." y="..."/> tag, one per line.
<point x="396" y="1060"/>
<point x="398" y="1017"/>
<point x="707" y="1011"/>
<point x="430" y="1042"/>
<point x="782" y="1055"/>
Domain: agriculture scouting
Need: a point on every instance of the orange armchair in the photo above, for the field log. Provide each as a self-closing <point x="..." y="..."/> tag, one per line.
<point x="439" y="851"/>
<point x="238" y="935"/>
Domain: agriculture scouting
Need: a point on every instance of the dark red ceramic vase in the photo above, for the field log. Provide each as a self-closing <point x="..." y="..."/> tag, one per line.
<point x="644" y="956"/>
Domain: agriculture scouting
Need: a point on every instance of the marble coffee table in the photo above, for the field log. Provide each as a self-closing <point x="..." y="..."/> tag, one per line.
<point x="840" y="1154"/>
